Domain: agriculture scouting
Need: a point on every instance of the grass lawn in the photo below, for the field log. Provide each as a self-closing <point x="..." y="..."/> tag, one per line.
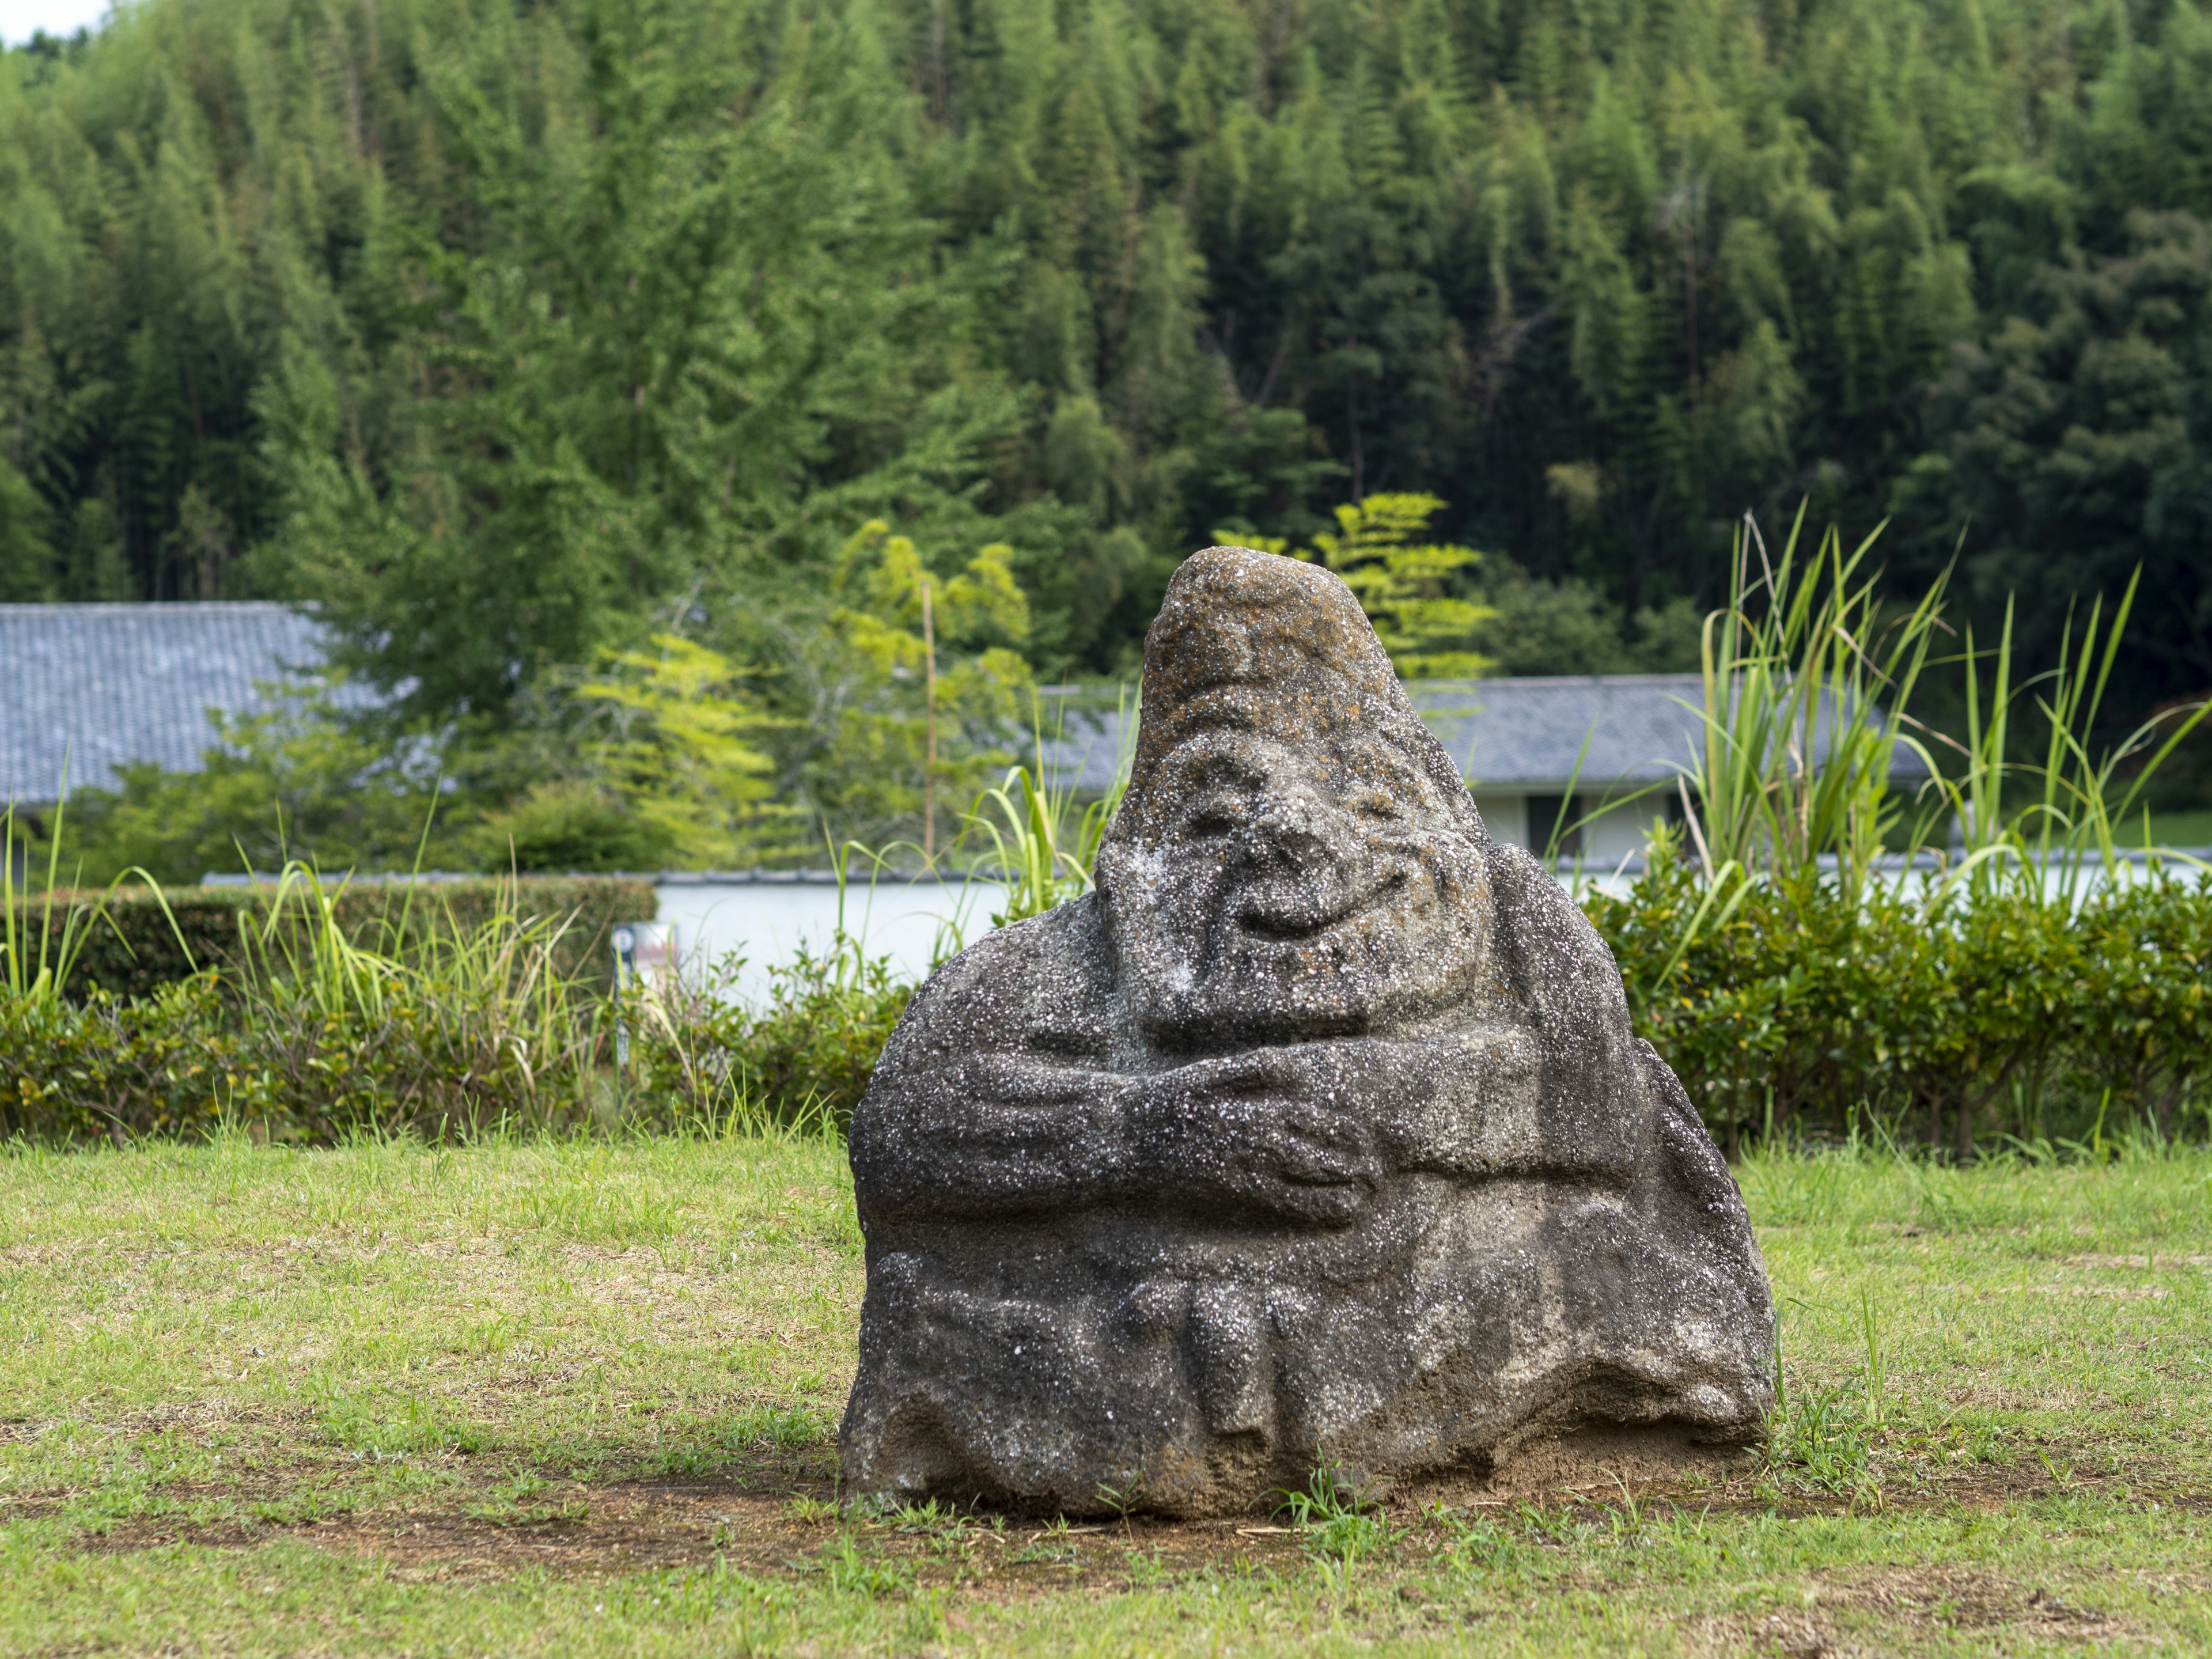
<point x="579" y="1398"/>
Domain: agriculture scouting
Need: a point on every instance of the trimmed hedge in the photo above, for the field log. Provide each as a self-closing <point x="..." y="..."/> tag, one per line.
<point x="135" y="950"/>
<point x="290" y="1064"/>
<point x="437" y="1040"/>
<point x="1988" y="1014"/>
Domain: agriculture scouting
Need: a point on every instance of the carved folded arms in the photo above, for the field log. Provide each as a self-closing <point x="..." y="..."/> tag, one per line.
<point x="1304" y="1131"/>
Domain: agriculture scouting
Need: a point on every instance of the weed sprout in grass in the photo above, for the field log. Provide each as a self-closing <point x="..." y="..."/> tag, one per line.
<point x="1339" y="1524"/>
<point x="1146" y="1569"/>
<point x="1825" y="1440"/>
<point x="1123" y="1498"/>
<point x="1473" y="1543"/>
<point x="523" y="1502"/>
<point x="1874" y="1375"/>
<point x="784" y="1428"/>
<point x="851" y="1572"/>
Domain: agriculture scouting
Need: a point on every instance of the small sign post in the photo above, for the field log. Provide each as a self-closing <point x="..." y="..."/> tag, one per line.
<point x="625" y="943"/>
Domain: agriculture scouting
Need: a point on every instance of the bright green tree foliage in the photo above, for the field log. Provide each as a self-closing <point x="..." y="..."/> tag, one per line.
<point x="1402" y="583"/>
<point x="686" y="756"/>
<point x="492" y="324"/>
<point x="866" y="769"/>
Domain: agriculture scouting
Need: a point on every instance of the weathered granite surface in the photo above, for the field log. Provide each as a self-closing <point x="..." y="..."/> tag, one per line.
<point x="1317" y="1134"/>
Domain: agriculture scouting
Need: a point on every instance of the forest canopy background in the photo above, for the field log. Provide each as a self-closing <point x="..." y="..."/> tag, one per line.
<point x="516" y="334"/>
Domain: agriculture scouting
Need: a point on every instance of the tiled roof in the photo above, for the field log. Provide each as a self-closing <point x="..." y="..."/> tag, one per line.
<point x="104" y="685"/>
<point x="1511" y="735"/>
<point x="1517" y="733"/>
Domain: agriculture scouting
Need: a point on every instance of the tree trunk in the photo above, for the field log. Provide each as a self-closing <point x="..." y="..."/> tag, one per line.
<point x="2168" y="1098"/>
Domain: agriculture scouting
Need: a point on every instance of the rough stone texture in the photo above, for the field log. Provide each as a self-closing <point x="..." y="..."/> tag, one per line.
<point x="1316" y="1134"/>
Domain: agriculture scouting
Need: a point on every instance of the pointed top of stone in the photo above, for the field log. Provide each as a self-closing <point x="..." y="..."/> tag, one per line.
<point x="1255" y="641"/>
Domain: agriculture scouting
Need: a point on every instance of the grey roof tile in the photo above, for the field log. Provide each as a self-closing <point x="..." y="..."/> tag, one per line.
<point x="106" y="685"/>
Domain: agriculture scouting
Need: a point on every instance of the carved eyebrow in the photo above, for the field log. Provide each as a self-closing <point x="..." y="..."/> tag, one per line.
<point x="1216" y="766"/>
<point x="1213" y="714"/>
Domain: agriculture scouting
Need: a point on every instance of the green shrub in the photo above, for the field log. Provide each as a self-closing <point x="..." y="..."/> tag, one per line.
<point x="1991" y="1009"/>
<point x="803" y="1060"/>
<point x="109" y="1066"/>
<point x="192" y="1056"/>
<point x="306" y="1033"/>
<point x="148" y="938"/>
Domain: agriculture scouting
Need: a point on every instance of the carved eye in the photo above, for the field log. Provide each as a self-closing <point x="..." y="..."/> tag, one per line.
<point x="1212" y="818"/>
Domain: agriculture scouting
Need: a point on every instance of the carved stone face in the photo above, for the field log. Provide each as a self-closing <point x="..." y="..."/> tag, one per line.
<point x="1281" y="884"/>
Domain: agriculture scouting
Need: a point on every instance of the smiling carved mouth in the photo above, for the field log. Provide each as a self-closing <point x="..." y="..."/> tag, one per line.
<point x="1305" y="916"/>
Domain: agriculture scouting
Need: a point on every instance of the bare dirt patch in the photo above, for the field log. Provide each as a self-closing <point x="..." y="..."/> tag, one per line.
<point x="761" y="1522"/>
<point x="780" y="1515"/>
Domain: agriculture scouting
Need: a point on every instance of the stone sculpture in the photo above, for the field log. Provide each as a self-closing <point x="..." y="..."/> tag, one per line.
<point x="1315" y="1135"/>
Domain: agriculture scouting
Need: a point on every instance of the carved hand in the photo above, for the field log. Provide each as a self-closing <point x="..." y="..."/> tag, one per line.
<point x="1262" y="1131"/>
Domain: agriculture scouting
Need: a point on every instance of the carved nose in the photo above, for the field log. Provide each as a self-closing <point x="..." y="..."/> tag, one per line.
<point x="1298" y="830"/>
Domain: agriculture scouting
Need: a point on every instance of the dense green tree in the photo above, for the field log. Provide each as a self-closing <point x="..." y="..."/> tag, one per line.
<point x="511" y="331"/>
<point x="2077" y="442"/>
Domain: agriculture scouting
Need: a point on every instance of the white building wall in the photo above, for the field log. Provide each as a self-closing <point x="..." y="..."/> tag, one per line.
<point x="1620" y="832"/>
<point x="1506" y="817"/>
<point x="766" y="923"/>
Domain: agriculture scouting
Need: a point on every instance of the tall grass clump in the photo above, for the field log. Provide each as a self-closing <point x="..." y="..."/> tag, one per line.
<point x="2008" y="974"/>
<point x="1806" y="682"/>
<point x="437" y="1026"/>
<point x="1034" y="837"/>
<point x="305" y="1030"/>
<point x="38" y="960"/>
<point x="2055" y="819"/>
<point x="1040" y="843"/>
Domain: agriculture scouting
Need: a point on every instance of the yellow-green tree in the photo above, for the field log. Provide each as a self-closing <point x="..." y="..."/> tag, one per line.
<point x="685" y="755"/>
<point x="1403" y="582"/>
<point x="933" y="688"/>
